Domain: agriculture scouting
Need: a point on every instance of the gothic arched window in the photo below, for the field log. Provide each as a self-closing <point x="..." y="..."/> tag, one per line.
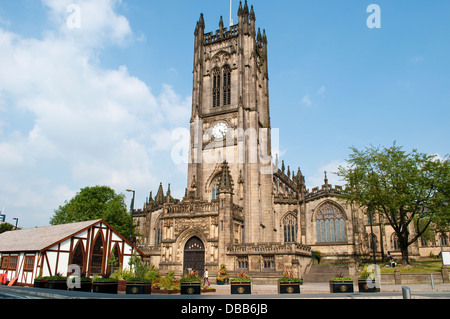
<point x="97" y="254"/>
<point x="330" y="224"/>
<point x="115" y="260"/>
<point x="290" y="228"/>
<point x="394" y="242"/>
<point x="78" y="255"/>
<point x="216" y="87"/>
<point x="226" y="85"/>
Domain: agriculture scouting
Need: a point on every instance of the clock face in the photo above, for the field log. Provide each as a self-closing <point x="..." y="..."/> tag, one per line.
<point x="220" y="130"/>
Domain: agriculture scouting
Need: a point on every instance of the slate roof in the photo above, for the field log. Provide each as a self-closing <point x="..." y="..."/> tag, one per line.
<point x="38" y="239"/>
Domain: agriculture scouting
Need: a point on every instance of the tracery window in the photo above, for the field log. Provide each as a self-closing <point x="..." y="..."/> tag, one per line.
<point x="290" y="228"/>
<point x="216" y="87"/>
<point x="269" y="262"/>
<point x="242" y="262"/>
<point x="330" y="224"/>
<point x="226" y="85"/>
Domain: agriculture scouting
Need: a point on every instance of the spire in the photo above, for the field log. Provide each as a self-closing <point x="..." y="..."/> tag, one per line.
<point x="200" y="27"/>
<point x="221" y="23"/>
<point x="252" y="15"/>
<point x="326" y="179"/>
<point x="225" y="184"/>
<point x="282" y="166"/>
<point x="246" y="12"/>
<point x="159" y="199"/>
<point x="201" y="22"/>
<point x="240" y="11"/>
<point x="168" y="197"/>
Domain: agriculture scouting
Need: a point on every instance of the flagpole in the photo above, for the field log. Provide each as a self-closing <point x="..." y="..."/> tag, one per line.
<point x="231" y="6"/>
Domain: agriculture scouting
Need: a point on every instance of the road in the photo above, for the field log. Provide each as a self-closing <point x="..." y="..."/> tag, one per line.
<point x="5" y="295"/>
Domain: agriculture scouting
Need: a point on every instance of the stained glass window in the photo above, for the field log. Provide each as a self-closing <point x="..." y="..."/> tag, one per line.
<point x="290" y="228"/>
<point x="330" y="224"/>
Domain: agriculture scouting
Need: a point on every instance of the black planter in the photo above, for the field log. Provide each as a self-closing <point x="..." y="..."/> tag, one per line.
<point x="85" y="285"/>
<point x="344" y="286"/>
<point x="57" y="284"/>
<point x="106" y="287"/>
<point x="364" y="287"/>
<point x="241" y="288"/>
<point x="190" y="288"/>
<point x="289" y="287"/>
<point x="226" y="281"/>
<point x="139" y="288"/>
<point x="40" y="283"/>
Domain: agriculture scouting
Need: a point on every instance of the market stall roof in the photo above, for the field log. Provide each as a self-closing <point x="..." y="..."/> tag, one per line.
<point x="41" y="238"/>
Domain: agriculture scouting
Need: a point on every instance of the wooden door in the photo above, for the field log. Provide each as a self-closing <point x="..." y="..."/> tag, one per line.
<point x="194" y="256"/>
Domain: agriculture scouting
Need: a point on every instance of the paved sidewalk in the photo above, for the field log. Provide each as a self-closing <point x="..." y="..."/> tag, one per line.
<point x="308" y="291"/>
<point x="321" y="288"/>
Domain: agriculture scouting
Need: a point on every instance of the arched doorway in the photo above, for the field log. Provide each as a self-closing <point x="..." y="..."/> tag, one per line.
<point x="194" y="255"/>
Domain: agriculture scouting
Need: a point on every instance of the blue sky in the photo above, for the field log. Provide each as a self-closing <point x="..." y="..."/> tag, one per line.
<point x="97" y="105"/>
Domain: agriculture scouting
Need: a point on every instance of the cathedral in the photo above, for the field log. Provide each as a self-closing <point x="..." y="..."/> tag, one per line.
<point x="240" y="208"/>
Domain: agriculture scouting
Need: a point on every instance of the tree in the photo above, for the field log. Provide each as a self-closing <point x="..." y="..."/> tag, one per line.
<point x="99" y="202"/>
<point x="408" y="189"/>
<point x="4" y="227"/>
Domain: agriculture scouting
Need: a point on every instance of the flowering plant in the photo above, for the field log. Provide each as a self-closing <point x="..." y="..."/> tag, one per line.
<point x="222" y="273"/>
<point x="242" y="276"/>
<point x="289" y="276"/>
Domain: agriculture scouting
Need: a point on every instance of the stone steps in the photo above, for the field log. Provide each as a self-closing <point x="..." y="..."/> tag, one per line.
<point x="324" y="272"/>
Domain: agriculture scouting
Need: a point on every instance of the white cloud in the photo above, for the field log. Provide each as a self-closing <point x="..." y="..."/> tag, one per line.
<point x="68" y="123"/>
<point x="99" y="24"/>
<point x="321" y="91"/>
<point x="306" y="100"/>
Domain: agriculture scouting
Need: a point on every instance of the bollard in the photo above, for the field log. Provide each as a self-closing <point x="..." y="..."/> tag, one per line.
<point x="406" y="292"/>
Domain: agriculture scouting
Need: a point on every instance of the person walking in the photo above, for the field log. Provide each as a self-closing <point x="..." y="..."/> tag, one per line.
<point x="206" y="276"/>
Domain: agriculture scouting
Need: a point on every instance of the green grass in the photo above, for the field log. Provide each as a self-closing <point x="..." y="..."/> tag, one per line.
<point x="415" y="266"/>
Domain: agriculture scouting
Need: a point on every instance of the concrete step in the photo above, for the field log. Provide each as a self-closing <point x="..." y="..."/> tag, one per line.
<point x="324" y="272"/>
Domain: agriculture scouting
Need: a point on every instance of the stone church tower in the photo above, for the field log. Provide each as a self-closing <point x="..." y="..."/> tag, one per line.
<point x="239" y="208"/>
<point x="231" y="124"/>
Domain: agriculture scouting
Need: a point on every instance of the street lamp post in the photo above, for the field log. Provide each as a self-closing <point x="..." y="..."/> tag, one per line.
<point x="131" y="211"/>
